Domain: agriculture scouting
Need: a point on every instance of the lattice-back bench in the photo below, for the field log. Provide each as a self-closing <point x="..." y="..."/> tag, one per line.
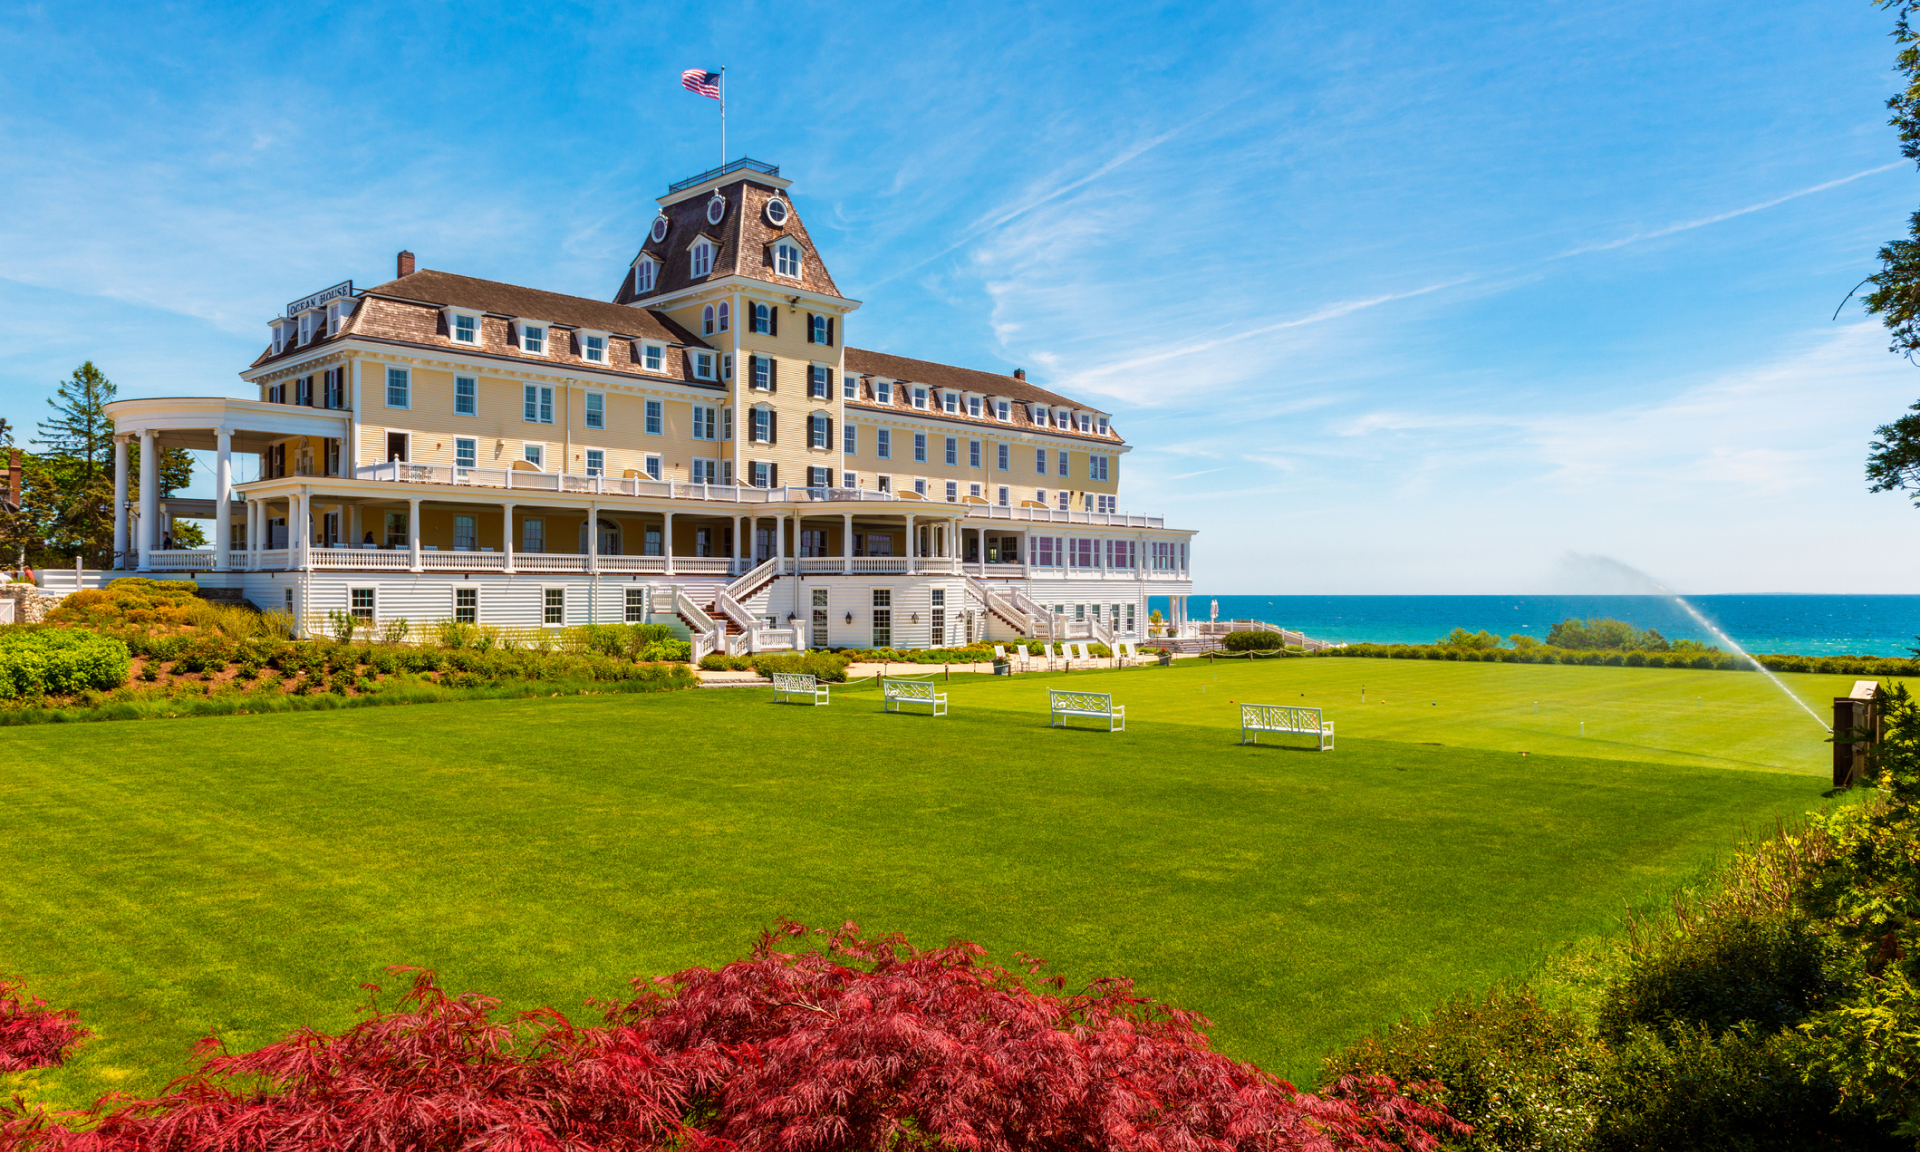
<point x="1287" y="718"/>
<point x="787" y="685"/>
<point x="1093" y="705"/>
<point x="899" y="693"/>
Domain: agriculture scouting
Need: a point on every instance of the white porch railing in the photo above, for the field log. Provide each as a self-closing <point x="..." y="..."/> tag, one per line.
<point x="364" y="559"/>
<point x="549" y="562"/>
<point x="703" y="565"/>
<point x="273" y="559"/>
<point x="649" y="564"/>
<point x="733" y="610"/>
<point x="880" y="565"/>
<point x="463" y="561"/>
<point x="180" y="560"/>
<point x="821" y="565"/>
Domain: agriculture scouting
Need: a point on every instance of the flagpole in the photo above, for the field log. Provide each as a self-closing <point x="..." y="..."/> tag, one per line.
<point x="723" y="115"/>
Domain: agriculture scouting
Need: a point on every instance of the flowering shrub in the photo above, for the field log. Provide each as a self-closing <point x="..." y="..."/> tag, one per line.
<point x="867" y="1045"/>
<point x="60" y="661"/>
<point x="33" y="1035"/>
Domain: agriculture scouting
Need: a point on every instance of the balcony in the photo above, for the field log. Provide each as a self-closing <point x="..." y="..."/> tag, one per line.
<point x="642" y="487"/>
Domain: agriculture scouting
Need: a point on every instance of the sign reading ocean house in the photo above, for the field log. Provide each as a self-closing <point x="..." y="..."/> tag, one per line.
<point x="704" y="449"/>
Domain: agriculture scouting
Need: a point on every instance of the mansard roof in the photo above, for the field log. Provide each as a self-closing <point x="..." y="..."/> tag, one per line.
<point x="410" y="311"/>
<point x="860" y="361"/>
<point x="744" y="238"/>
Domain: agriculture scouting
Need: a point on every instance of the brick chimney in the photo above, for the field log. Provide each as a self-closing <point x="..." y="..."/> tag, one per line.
<point x="404" y="265"/>
<point x="1019" y="373"/>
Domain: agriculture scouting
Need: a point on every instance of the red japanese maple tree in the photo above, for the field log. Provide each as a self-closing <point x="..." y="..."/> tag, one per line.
<point x="856" y="1045"/>
<point x="33" y="1035"/>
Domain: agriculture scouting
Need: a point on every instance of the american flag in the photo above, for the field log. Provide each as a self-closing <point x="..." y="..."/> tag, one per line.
<point x="702" y="81"/>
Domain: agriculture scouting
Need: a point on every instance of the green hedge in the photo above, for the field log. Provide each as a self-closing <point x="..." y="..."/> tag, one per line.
<point x="1251" y="641"/>
<point x="60" y="662"/>
<point x="1722" y="661"/>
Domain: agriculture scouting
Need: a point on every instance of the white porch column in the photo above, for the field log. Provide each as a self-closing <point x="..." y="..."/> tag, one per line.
<point x="253" y="535"/>
<point x="506" y="535"/>
<point x="223" y="499"/>
<point x="149" y="498"/>
<point x="413" y="530"/>
<point x="912" y="565"/>
<point x="780" y="542"/>
<point x="743" y="543"/>
<point x="593" y="539"/>
<point x="666" y="540"/>
<point x="846" y="545"/>
<point x="119" y="502"/>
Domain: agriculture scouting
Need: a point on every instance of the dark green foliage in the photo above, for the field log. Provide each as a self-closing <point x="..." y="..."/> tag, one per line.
<point x="1768" y="972"/>
<point x="1251" y="641"/>
<point x="1606" y="633"/>
<point x="1519" y="1072"/>
<point x="824" y="666"/>
<point x="1741" y="1091"/>
<point x="60" y="662"/>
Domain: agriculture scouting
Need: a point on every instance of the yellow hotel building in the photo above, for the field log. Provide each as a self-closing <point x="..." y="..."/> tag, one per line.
<point x="704" y="449"/>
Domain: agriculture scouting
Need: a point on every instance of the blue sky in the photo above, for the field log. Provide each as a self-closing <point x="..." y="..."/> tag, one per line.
<point x="1418" y="299"/>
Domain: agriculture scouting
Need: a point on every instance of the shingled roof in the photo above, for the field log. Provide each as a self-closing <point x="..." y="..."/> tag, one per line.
<point x="744" y="239"/>
<point x="407" y="310"/>
<point x="862" y="362"/>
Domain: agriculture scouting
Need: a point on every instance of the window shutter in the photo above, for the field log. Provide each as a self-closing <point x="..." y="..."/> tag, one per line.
<point x="773" y="374"/>
<point x="829" y="331"/>
<point x="773" y="475"/>
<point x="773" y="319"/>
<point x="829" y="421"/>
<point x="810" y="328"/>
<point x="773" y="427"/>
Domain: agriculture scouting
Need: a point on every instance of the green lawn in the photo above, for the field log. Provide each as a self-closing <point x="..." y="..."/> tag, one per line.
<point x="242" y="875"/>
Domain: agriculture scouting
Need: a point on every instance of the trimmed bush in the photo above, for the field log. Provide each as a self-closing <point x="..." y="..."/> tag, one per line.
<point x="1769" y="973"/>
<point x="1251" y="641"/>
<point x="822" y="665"/>
<point x="61" y="662"/>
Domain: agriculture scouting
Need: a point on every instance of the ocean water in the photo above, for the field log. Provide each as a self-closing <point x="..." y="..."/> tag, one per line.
<point x="1806" y="625"/>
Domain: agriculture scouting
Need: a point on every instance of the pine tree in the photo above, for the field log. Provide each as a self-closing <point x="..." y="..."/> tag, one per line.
<point x="80" y="430"/>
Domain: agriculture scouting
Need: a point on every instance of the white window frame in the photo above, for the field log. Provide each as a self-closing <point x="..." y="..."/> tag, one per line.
<point x="973" y="455"/>
<point x="593" y="413"/>
<point x="540" y="398"/>
<point x="849" y="386"/>
<point x="883" y="391"/>
<point x="1003" y="458"/>
<point x="656" y="418"/>
<point x="1097" y="468"/>
<point x="587" y="349"/>
<point x="546" y="605"/>
<point x="373" y="601"/>
<point x="646" y="273"/>
<point x="700" y="257"/>
<point x="817" y="435"/>
<point x="653" y="466"/>
<point x="472" y="590"/>
<point x="703" y="365"/>
<point x="454" y="316"/>
<point x="883" y="443"/>
<point x="470" y="448"/>
<point x="534" y="452"/>
<point x="653" y="357"/>
<point x="404" y="378"/>
<point x="706" y="422"/>
<point x="785" y="252"/>
<point x="949" y="402"/>
<point x="1003" y="411"/>
<point x="919" y="447"/>
<point x="850" y="439"/>
<point x="973" y="406"/>
<point x="473" y="395"/>
<point x="523" y="329"/>
<point x="953" y="452"/>
<point x="591" y="466"/>
<point x="919" y="397"/>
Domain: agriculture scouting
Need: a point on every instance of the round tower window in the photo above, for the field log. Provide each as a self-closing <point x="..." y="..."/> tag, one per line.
<point x="716" y="209"/>
<point x="776" y="211"/>
<point x="659" y="229"/>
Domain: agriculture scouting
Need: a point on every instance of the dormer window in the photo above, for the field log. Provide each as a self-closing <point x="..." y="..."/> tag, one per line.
<point x="703" y="365"/>
<point x="1086" y="422"/>
<point x="337" y="313"/>
<point x="702" y="257"/>
<point x="533" y="338"/>
<point x="973" y="407"/>
<point x="1003" y="411"/>
<point x="652" y="357"/>
<point x="282" y="330"/>
<point x="463" y="327"/>
<point x="950" y="402"/>
<point x="716" y="209"/>
<point x="1039" y="416"/>
<point x="786" y="259"/>
<point x="644" y="272"/>
<point x="1100" y="425"/>
<point x="919" y="397"/>
<point x="593" y="347"/>
<point x="306" y="326"/>
<point x="883" y="391"/>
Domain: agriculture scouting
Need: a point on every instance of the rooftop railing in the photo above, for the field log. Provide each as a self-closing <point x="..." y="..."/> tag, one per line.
<point x="746" y="163"/>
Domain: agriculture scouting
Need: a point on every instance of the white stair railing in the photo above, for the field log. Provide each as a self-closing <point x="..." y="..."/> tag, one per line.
<point x="999" y="605"/>
<point x="753" y="579"/>
<point x="692" y="613"/>
<point x="724" y="603"/>
<point x="1035" y="611"/>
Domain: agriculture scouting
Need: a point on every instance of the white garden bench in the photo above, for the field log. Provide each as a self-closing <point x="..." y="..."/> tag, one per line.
<point x="787" y="685"/>
<point x="1258" y="718"/>
<point x="899" y="693"/>
<point x="1093" y="705"/>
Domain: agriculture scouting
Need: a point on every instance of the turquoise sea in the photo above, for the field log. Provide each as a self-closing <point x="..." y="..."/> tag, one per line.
<point x="1806" y="625"/>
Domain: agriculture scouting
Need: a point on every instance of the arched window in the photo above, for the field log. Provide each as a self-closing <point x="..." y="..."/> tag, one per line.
<point x="706" y="320"/>
<point x="724" y="316"/>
